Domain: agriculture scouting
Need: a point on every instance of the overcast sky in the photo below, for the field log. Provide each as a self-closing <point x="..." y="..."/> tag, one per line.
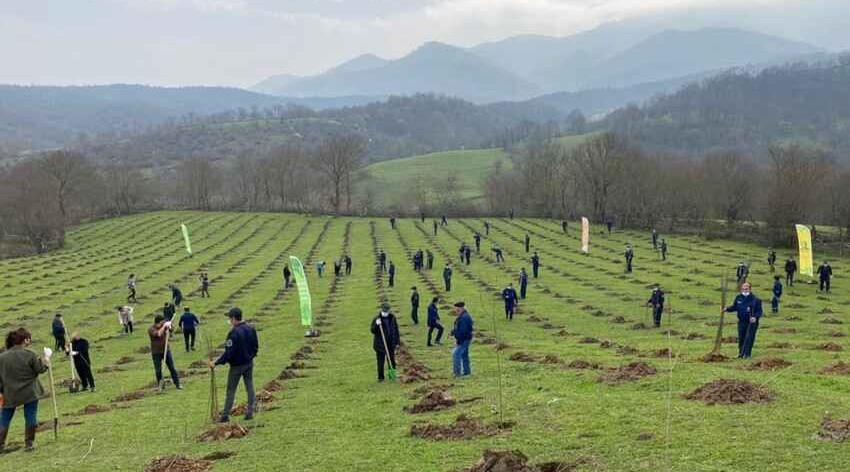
<point x="240" y="42"/>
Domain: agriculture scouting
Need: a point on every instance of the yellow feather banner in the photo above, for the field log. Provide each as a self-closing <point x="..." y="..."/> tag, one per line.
<point x="804" y="238"/>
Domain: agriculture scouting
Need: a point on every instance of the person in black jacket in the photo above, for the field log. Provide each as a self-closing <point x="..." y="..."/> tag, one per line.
<point x="630" y="255"/>
<point x="527" y="243"/>
<point x="382" y="261"/>
<point x="656" y="300"/>
<point x="385" y="338"/>
<point x="392" y="274"/>
<point x="58" y="329"/>
<point x="447" y="277"/>
<point x="824" y="275"/>
<point x="188" y="323"/>
<point x="434" y="322"/>
<point x="790" y="270"/>
<point x="771" y="259"/>
<point x="535" y="264"/>
<point x="240" y="349"/>
<point x="176" y="295"/>
<point x="477" y="238"/>
<point x="348" y="264"/>
<point x="414" y="305"/>
<point x="287" y="276"/>
<point x="79" y="352"/>
<point x="429" y="256"/>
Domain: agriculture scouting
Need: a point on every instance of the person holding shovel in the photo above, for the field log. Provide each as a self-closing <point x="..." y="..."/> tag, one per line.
<point x="125" y="317"/>
<point x="240" y="349"/>
<point x="58" y="330"/>
<point x="79" y="352"/>
<point x="656" y="300"/>
<point x="749" y="310"/>
<point x="462" y="333"/>
<point x="385" y="340"/>
<point x="19" y="385"/>
<point x="159" y="334"/>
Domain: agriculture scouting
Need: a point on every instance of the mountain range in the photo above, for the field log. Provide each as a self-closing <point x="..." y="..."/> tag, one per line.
<point x="522" y="67"/>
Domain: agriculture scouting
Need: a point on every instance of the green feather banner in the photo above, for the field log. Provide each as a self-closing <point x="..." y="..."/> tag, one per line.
<point x="186" y="239"/>
<point x="303" y="291"/>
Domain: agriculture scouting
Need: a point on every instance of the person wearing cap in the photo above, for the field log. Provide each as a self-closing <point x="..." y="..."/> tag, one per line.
<point x="749" y="310"/>
<point x="434" y="322"/>
<point x="188" y="323"/>
<point x="159" y="333"/>
<point x="58" y="330"/>
<point x="385" y="338"/>
<point x="656" y="300"/>
<point x="240" y="349"/>
<point x="462" y="333"/>
<point x="414" y="305"/>
<point x="19" y="385"/>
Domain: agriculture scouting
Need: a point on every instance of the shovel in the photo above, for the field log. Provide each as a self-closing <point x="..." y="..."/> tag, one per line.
<point x="391" y="372"/>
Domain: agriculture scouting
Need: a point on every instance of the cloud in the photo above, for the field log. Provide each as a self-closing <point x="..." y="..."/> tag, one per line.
<point x="198" y="5"/>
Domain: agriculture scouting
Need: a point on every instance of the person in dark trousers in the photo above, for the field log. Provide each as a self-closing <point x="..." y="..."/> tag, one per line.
<point x="511" y="214"/>
<point x="58" y="329"/>
<point x="656" y="301"/>
<point x="444" y="221"/>
<point x="240" y="349"/>
<point x="337" y="268"/>
<point x="168" y="311"/>
<point x="510" y="298"/>
<point x="19" y="385"/>
<point x="384" y="327"/>
<point x="429" y="256"/>
<point x="498" y="251"/>
<point x="771" y="260"/>
<point x="205" y="285"/>
<point x="435" y="227"/>
<point x="749" y="310"/>
<point x="125" y="317"/>
<point x="392" y="222"/>
<point x="523" y="283"/>
<point x="391" y="271"/>
<point x="189" y="324"/>
<point x="79" y="352"/>
<point x="535" y="264"/>
<point x="348" y="264"/>
<point x="158" y="333"/>
<point x="131" y="288"/>
<point x="790" y="270"/>
<point x="527" y="243"/>
<point x="461" y="251"/>
<point x="824" y="275"/>
<point x="287" y="276"/>
<point x="434" y="322"/>
<point x="467" y="254"/>
<point x="564" y="226"/>
<point x="462" y="333"/>
<point x="477" y="238"/>
<point x="176" y="295"/>
<point x="422" y="216"/>
<point x="654" y="240"/>
<point x="610" y="225"/>
<point x="777" y="294"/>
<point x="630" y="255"/>
<point x="663" y="250"/>
<point x="742" y="272"/>
<point x="487" y="228"/>
<point x="382" y="261"/>
<point x="320" y="269"/>
<point x="414" y="305"/>
<point x="447" y="277"/>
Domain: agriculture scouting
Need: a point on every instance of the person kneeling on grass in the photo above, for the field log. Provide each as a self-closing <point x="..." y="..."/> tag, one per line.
<point x="19" y="385"/>
<point x="159" y="332"/>
<point x="240" y="349"/>
<point x="462" y="333"/>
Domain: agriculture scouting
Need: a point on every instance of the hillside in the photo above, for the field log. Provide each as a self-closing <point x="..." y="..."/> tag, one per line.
<point x="578" y="379"/>
<point x="746" y="113"/>
<point x="402" y="183"/>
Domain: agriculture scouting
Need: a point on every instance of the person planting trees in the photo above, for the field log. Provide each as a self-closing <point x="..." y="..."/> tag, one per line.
<point x="19" y="385"/>
<point x="57" y="327"/>
<point x="825" y="275"/>
<point x="444" y="221"/>
<point x="287" y="276"/>
<point x="462" y="333"/>
<point x="382" y="261"/>
<point x="189" y="324"/>
<point x="498" y="251"/>
<point x="79" y="352"/>
<point x="564" y="226"/>
<point x="790" y="270"/>
<point x="429" y="256"/>
<point x="447" y="277"/>
<point x="435" y="227"/>
<point x="414" y="305"/>
<point x="392" y="222"/>
<point x="777" y="294"/>
<point x="654" y="240"/>
<point x="742" y="272"/>
<point x="168" y="311"/>
<point x="125" y="317"/>
<point x="348" y="264"/>
<point x="629" y="255"/>
<point x="240" y="349"/>
<point x="392" y="274"/>
<point x="131" y="288"/>
<point x="337" y="267"/>
<point x="749" y="310"/>
<point x="771" y="260"/>
<point x="510" y="298"/>
<point x="523" y="283"/>
<point x="527" y="243"/>
<point x="434" y="322"/>
<point x="205" y="285"/>
<point x="160" y="351"/>
<point x="663" y="250"/>
<point x="385" y="339"/>
<point x="487" y="228"/>
<point x="467" y="253"/>
<point x="656" y="301"/>
<point x="535" y="264"/>
<point x="477" y="238"/>
<point x="320" y="269"/>
<point x="176" y="295"/>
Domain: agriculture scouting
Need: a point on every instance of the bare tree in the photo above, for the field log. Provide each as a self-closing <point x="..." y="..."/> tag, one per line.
<point x="198" y="181"/>
<point x="599" y="163"/>
<point x="338" y="158"/>
<point x="24" y="207"/>
<point x="731" y="184"/>
<point x="67" y="173"/>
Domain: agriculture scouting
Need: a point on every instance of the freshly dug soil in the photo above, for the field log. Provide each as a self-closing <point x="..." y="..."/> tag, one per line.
<point x="694" y="336"/>
<point x="780" y="346"/>
<point x="639" y="326"/>
<point x="287" y="374"/>
<point x="618" y="320"/>
<point x="831" y="321"/>
<point x="628" y="373"/>
<point x="731" y="392"/>
<point x="502" y="461"/>
<point x="178" y="464"/>
<point x="125" y="360"/>
<point x="644" y="437"/>
<point x="834" y="430"/>
<point x="223" y="432"/>
<point x="842" y="368"/>
<point x="582" y="364"/>
<point x="771" y="363"/>
<point x="463" y="428"/>
<point x="522" y="357"/>
<point x="784" y="330"/>
<point x="832" y="347"/>
<point x="533" y="319"/>
<point x="130" y="396"/>
<point x="550" y="359"/>
<point x="588" y="341"/>
<point x="219" y="455"/>
<point x="662" y="353"/>
<point x="273" y="386"/>
<point x="714" y="357"/>
<point x="434" y="400"/>
<point x="415" y="372"/>
<point x="837" y="334"/>
<point x="92" y="409"/>
<point x="502" y="346"/>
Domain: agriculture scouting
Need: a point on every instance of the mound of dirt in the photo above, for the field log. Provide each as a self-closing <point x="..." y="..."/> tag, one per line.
<point x="831" y="347"/>
<point x="784" y="330"/>
<point x="618" y="320"/>
<point x="628" y="373"/>
<point x="714" y="357"/>
<point x="92" y="409"/>
<point x="729" y="340"/>
<point x="522" y="357"/>
<point x="831" y="321"/>
<point x="780" y="346"/>
<point x="435" y="400"/>
<point x="223" y="432"/>
<point x="771" y="363"/>
<point x="300" y="356"/>
<point x="827" y="311"/>
<point x="219" y="455"/>
<point x="694" y="336"/>
<point x="582" y="364"/>
<point x="644" y="437"/>
<point x="464" y="427"/>
<point x="793" y="318"/>
<point x="533" y="319"/>
<point x="563" y="333"/>
<point x="199" y="365"/>
<point x="124" y="360"/>
<point x="130" y="396"/>
<point x="550" y="359"/>
<point x="287" y="374"/>
<point x="606" y="344"/>
<point x="841" y="368"/>
<point x="178" y="464"/>
<point x="661" y="353"/>
<point x="626" y="350"/>
<point x="502" y="346"/>
<point x="837" y="334"/>
<point x="834" y="430"/>
<point x="415" y="372"/>
<point x="502" y="461"/>
<point x="731" y="392"/>
<point x="273" y="386"/>
<point x="588" y="340"/>
<point x="639" y="326"/>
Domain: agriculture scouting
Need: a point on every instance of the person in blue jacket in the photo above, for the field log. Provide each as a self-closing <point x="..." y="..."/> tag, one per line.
<point x="523" y="283"/>
<point x="749" y="310"/>
<point x="462" y="333"/>
<point x="510" y="297"/>
<point x="656" y="300"/>
<point x="434" y="322"/>
<point x="240" y="349"/>
<point x="777" y="293"/>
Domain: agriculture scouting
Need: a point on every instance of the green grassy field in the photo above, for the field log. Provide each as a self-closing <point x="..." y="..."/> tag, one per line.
<point x="393" y="182"/>
<point x="330" y="413"/>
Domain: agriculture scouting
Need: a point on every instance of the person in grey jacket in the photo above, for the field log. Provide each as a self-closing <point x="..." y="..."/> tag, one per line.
<point x="19" y="385"/>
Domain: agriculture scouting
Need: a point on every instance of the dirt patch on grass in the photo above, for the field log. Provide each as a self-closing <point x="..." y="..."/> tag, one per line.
<point x="731" y="392"/>
<point x="223" y="432"/>
<point x="628" y="373"/>
<point x="273" y="386"/>
<point x="588" y="340"/>
<point x="729" y="340"/>
<point x="125" y="360"/>
<point x="199" y="365"/>
<point x="435" y="400"/>
<point x="618" y="320"/>
<point x="784" y="330"/>
<point x="287" y="374"/>
<point x="550" y="359"/>
<point x="502" y="461"/>
<point x="694" y="336"/>
<point x="661" y="353"/>
<point x="219" y="455"/>
<point x="771" y="363"/>
<point x="832" y="321"/>
<point x="714" y="357"/>
<point x="639" y="326"/>
<point x="841" y="368"/>
<point x="93" y="409"/>
<point x="502" y="346"/>
<point x="780" y="346"/>
<point x="130" y="396"/>
<point x="837" y="334"/>
<point x="144" y="350"/>
<point x="834" y="430"/>
<point x="178" y="464"/>
<point x="522" y="357"/>
<point x="831" y="347"/>
<point x="644" y="437"/>
<point x="581" y="364"/>
<point x="109" y="369"/>
<point x="464" y="427"/>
